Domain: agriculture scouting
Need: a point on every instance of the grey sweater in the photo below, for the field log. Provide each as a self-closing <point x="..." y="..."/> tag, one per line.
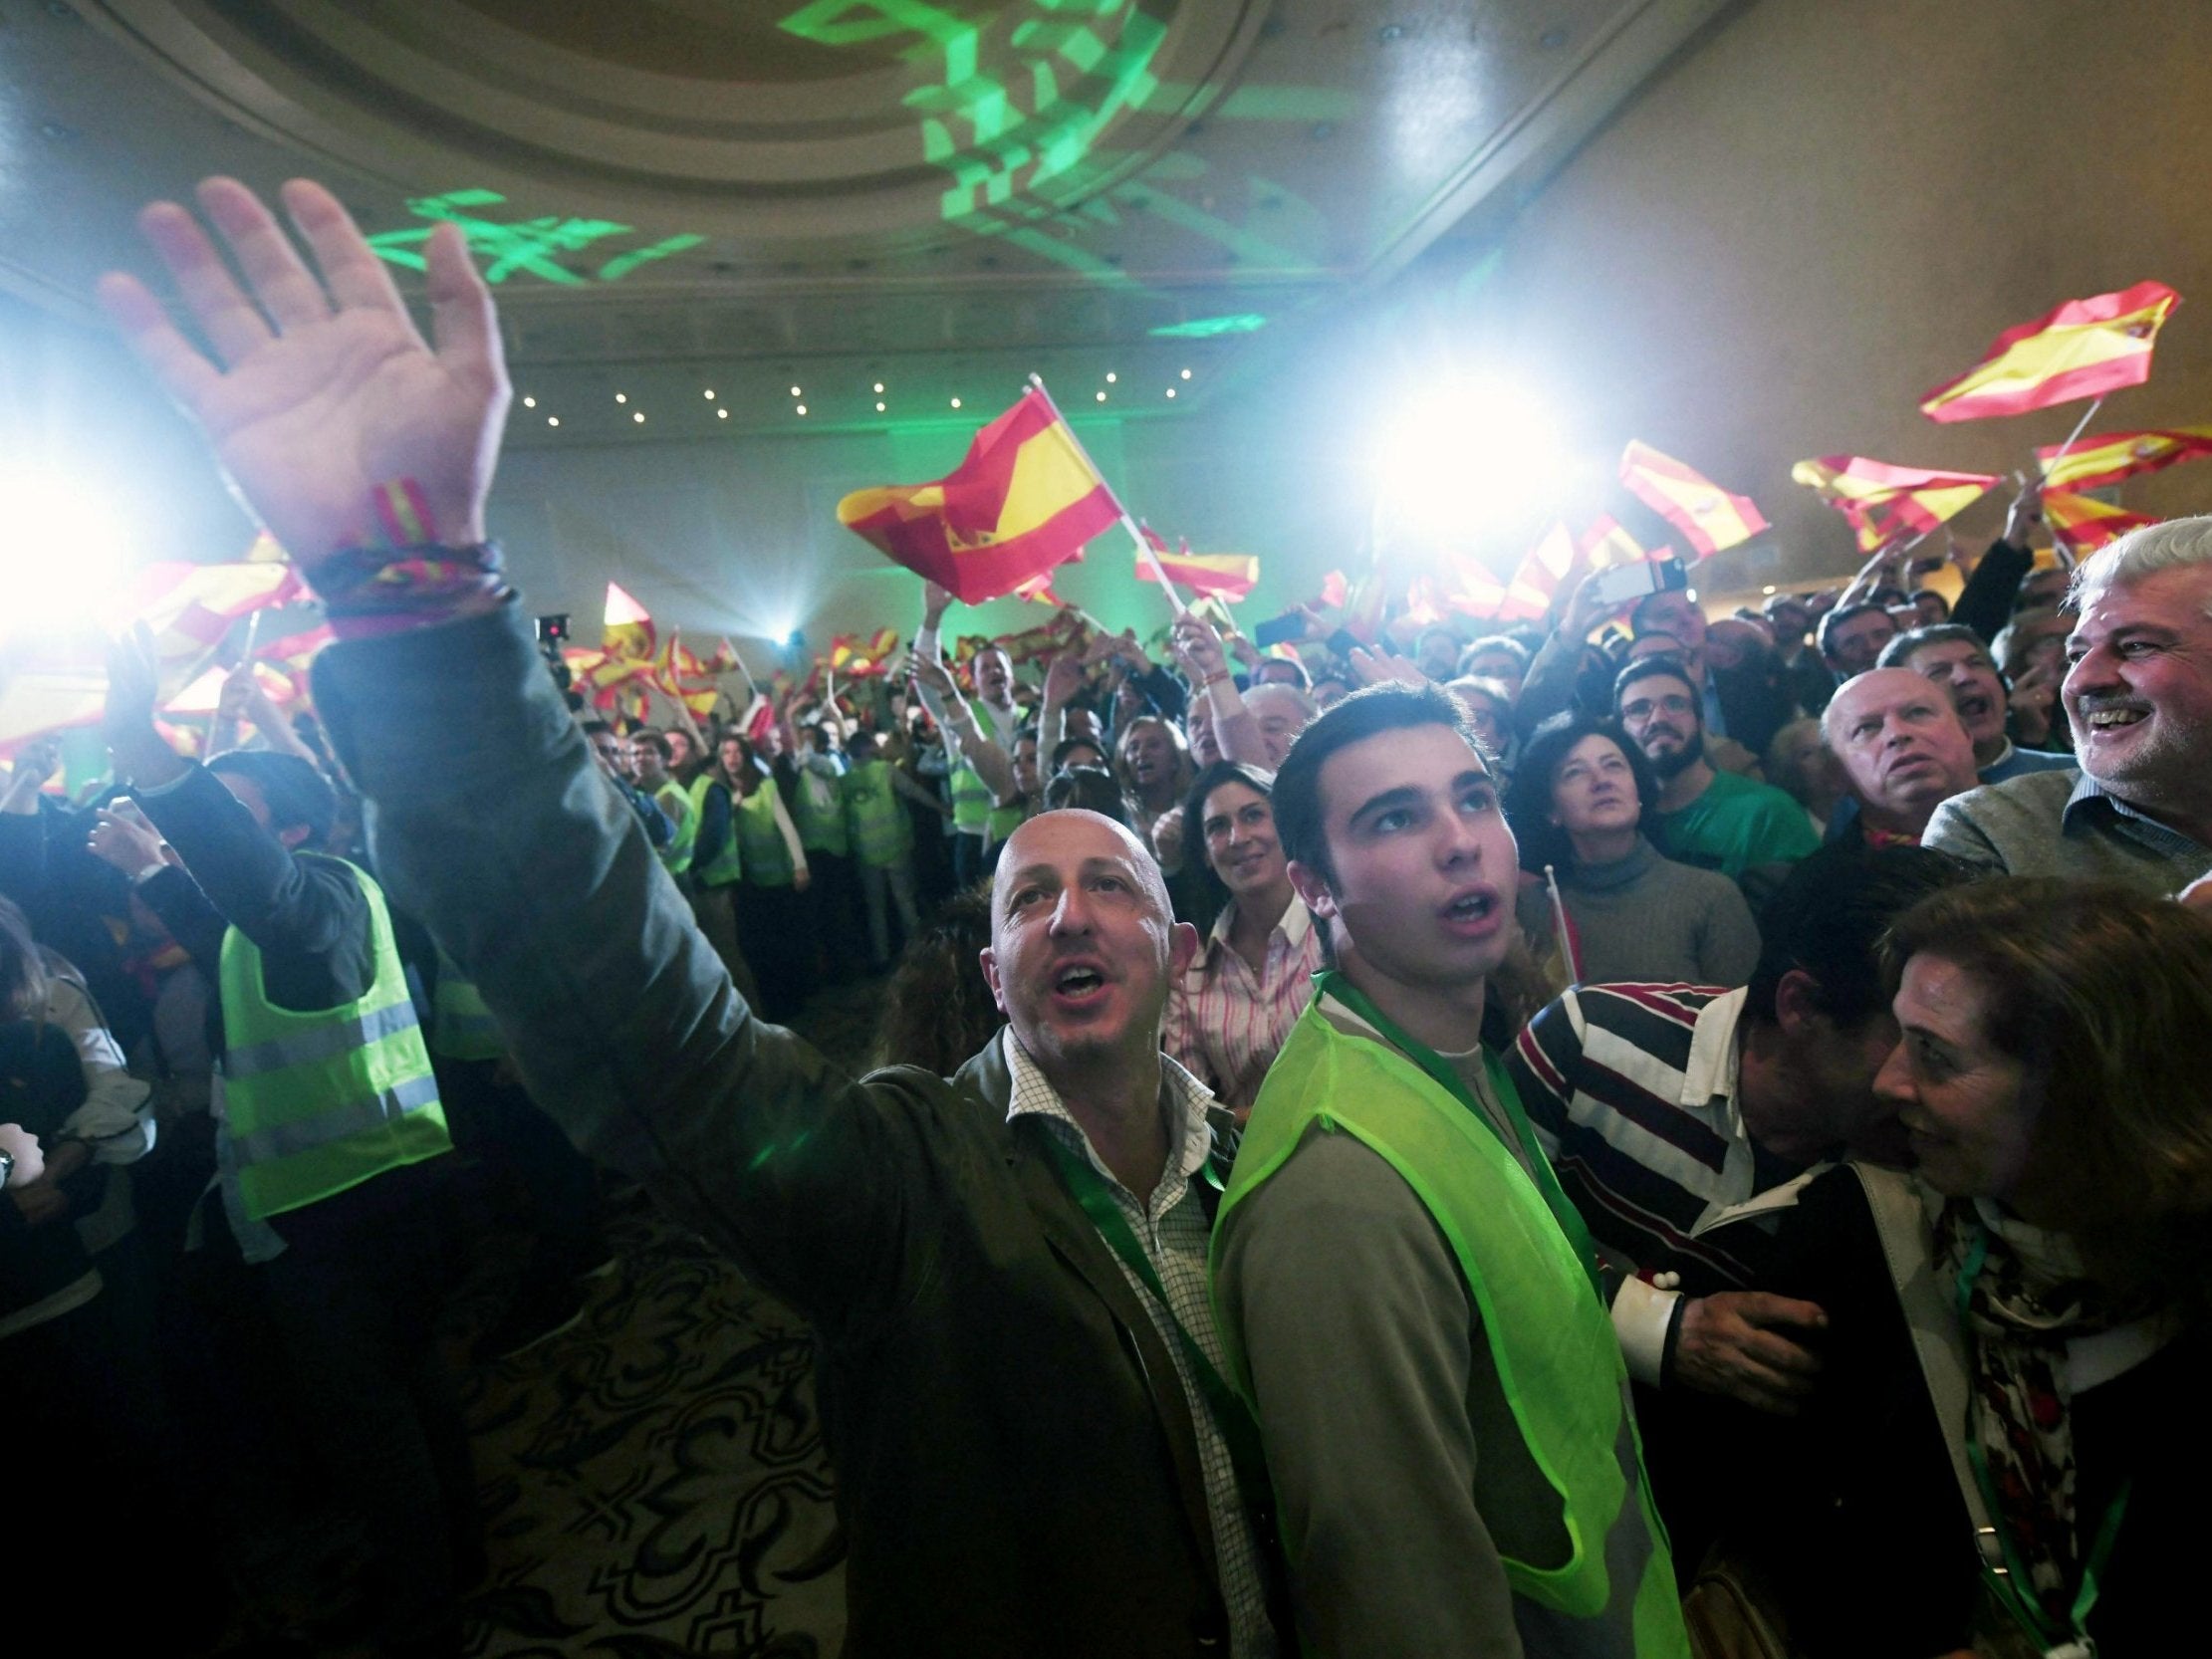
<point x="1647" y="918"/>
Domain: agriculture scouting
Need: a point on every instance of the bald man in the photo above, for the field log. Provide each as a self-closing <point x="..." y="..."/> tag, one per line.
<point x="1904" y="750"/>
<point x="1030" y="1455"/>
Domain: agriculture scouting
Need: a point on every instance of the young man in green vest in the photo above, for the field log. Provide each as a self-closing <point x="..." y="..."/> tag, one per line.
<point x="1409" y="1302"/>
<point x="649" y="758"/>
<point x="328" y="1112"/>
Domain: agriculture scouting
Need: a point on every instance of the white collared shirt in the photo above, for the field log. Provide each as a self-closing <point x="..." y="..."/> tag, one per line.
<point x="1226" y="1022"/>
<point x="1171" y="1227"/>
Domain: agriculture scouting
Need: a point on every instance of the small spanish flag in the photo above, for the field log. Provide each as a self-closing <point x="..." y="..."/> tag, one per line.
<point x="1231" y="575"/>
<point x="1882" y="502"/>
<point x="1537" y="578"/>
<point x="2086" y="524"/>
<point x="855" y="658"/>
<point x="1605" y="545"/>
<point x="2109" y="457"/>
<point x="1708" y="517"/>
<point x="628" y="628"/>
<point x="1023" y="502"/>
<point x="2084" y="349"/>
<point x="1469" y="588"/>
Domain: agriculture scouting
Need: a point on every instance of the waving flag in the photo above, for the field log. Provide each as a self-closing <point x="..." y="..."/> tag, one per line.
<point x="1469" y="588"/>
<point x="855" y="658"/>
<point x="1708" y="517"/>
<point x="1039" y="590"/>
<point x="2084" y="349"/>
<point x="1229" y="576"/>
<point x="2109" y="457"/>
<point x="1605" y="545"/>
<point x="629" y="627"/>
<point x="1882" y="502"/>
<point x="1538" y="576"/>
<point x="2086" y="524"/>
<point x="1023" y="502"/>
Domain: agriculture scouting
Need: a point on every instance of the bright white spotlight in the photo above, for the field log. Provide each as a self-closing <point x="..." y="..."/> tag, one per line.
<point x="1464" y="453"/>
<point x="69" y="547"/>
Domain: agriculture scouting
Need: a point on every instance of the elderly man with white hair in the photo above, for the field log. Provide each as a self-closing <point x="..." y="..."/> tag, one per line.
<point x="2139" y="694"/>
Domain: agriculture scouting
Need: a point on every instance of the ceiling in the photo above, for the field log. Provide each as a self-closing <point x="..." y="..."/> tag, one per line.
<point x="937" y="197"/>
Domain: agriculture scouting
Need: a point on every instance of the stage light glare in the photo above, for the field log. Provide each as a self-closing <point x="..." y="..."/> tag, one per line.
<point x="1464" y="453"/>
<point x="69" y="546"/>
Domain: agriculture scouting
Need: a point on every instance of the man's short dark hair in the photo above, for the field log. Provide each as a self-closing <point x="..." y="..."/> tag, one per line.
<point x="1068" y="745"/>
<point x="1652" y="667"/>
<point x="1828" y="919"/>
<point x="657" y="742"/>
<point x="1497" y="642"/>
<point x="297" y="793"/>
<point x="1843" y="613"/>
<point x="1300" y="813"/>
<point x="1898" y="652"/>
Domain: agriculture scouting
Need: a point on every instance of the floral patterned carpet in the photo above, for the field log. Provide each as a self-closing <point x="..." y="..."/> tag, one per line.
<point x="654" y="1480"/>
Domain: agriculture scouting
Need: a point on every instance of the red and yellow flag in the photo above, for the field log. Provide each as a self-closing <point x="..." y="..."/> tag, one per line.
<point x="1024" y="500"/>
<point x="1708" y="517"/>
<point x="2109" y="457"/>
<point x="629" y="627"/>
<point x="2084" y="349"/>
<point x="1469" y="588"/>
<point x="1538" y="576"/>
<point x="2086" y="524"/>
<point x="1884" y="502"/>
<point x="1229" y="576"/>
<point x="856" y="658"/>
<point x="1039" y="590"/>
<point x="1605" y="545"/>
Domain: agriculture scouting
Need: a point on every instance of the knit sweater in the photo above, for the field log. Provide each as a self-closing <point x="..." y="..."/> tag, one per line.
<point x="1646" y="917"/>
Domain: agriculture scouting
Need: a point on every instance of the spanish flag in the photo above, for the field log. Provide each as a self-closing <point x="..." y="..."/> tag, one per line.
<point x="1537" y="578"/>
<point x="2084" y="349"/>
<point x="1708" y="517"/>
<point x="856" y="658"/>
<point x="1469" y="588"/>
<point x="2109" y="457"/>
<point x="1605" y="545"/>
<point x="1230" y="575"/>
<point x="1024" y="500"/>
<point x="1882" y="502"/>
<point x="628" y="634"/>
<point x="2086" y="524"/>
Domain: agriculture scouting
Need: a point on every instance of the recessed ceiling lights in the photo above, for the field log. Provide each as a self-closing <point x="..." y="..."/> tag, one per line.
<point x="1186" y="373"/>
<point x="879" y="406"/>
<point x="622" y="397"/>
<point x="710" y="394"/>
<point x="956" y="402"/>
<point x="530" y="402"/>
<point x="879" y="388"/>
<point x="553" y="420"/>
<point x="1109" y="376"/>
<point x="640" y="418"/>
<point x="796" y="392"/>
<point x="1170" y="391"/>
<point x="801" y="409"/>
<point x="1101" y="397"/>
<point x="721" y="415"/>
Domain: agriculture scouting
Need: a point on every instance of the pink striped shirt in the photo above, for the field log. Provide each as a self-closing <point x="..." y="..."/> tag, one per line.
<point x="1226" y="1024"/>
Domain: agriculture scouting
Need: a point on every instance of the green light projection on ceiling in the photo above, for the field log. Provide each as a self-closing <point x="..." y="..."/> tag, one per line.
<point x="530" y="247"/>
<point x="1205" y="327"/>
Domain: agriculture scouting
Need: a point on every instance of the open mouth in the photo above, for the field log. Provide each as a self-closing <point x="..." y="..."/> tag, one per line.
<point x="1973" y="706"/>
<point x="2105" y="720"/>
<point x="1473" y="913"/>
<point x="1077" y="983"/>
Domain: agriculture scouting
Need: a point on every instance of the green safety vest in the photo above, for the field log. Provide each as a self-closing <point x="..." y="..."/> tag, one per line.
<point x="881" y="834"/>
<point x="318" y="1103"/>
<point x="1003" y="822"/>
<point x="971" y="800"/>
<point x="817" y="811"/>
<point x="461" y="1025"/>
<point x="767" y="858"/>
<point x="729" y="863"/>
<point x="1543" y="1317"/>
<point x="676" y="857"/>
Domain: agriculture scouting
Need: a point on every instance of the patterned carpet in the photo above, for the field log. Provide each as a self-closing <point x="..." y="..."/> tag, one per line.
<point x="654" y="1480"/>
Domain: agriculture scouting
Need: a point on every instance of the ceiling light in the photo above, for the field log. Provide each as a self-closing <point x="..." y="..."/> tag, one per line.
<point x="1109" y="376"/>
<point x="801" y="409"/>
<point x="640" y="418"/>
<point x="1768" y="589"/>
<point x="710" y="394"/>
<point x="721" y="415"/>
<point x="880" y="386"/>
<point x="622" y="397"/>
<point x="796" y="392"/>
<point x="879" y="406"/>
<point x="530" y="402"/>
<point x="1170" y="391"/>
<point x="1186" y="373"/>
<point x="1101" y="397"/>
<point x="553" y="420"/>
<point x="956" y="402"/>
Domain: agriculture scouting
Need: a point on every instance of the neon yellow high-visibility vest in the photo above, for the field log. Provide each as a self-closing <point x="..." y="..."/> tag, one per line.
<point x="971" y="801"/>
<point x="676" y="857"/>
<point x="767" y="857"/>
<point x="318" y="1103"/>
<point x="881" y="834"/>
<point x="729" y="863"/>
<point x="817" y="812"/>
<point x="1549" y="1332"/>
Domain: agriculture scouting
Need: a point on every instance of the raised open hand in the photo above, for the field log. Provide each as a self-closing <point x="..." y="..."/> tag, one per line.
<point x="320" y="390"/>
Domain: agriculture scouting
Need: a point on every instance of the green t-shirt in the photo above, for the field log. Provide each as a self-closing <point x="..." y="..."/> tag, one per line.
<point x="1735" y="825"/>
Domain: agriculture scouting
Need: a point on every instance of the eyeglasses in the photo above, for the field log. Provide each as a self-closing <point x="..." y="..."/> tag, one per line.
<point x="1642" y="707"/>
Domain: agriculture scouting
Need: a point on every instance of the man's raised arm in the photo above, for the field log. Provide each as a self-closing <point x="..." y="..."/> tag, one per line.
<point x="369" y="455"/>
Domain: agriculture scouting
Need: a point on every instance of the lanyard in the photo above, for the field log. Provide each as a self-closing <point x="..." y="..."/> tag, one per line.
<point x="1231" y="1417"/>
<point x="1529" y="1154"/>
<point x="2014" y="1587"/>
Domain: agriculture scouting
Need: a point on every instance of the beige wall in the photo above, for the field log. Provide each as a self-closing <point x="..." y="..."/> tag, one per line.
<point x="1831" y="205"/>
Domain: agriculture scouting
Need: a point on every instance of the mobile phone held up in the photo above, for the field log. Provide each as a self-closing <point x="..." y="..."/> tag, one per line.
<point x="1625" y="583"/>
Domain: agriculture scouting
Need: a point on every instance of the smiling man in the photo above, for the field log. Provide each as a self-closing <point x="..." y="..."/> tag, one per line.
<point x="1903" y="749"/>
<point x="2139" y="695"/>
<point x="1409" y="1299"/>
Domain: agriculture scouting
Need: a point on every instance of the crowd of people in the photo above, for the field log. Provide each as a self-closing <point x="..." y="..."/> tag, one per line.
<point x="1641" y="1134"/>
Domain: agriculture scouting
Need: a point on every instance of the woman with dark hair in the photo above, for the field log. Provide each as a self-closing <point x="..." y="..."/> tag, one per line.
<point x="1230" y="1012"/>
<point x="1576" y="805"/>
<point x="2002" y="1446"/>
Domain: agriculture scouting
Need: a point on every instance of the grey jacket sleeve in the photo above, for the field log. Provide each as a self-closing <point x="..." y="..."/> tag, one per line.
<point x="491" y="822"/>
<point x="1361" y="1337"/>
<point x="1952" y="830"/>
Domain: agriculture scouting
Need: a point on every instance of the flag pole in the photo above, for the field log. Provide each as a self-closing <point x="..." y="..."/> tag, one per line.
<point x="2072" y="437"/>
<point x="1144" y="549"/>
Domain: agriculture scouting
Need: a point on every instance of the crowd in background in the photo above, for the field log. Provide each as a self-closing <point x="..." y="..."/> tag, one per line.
<point x="1850" y="921"/>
